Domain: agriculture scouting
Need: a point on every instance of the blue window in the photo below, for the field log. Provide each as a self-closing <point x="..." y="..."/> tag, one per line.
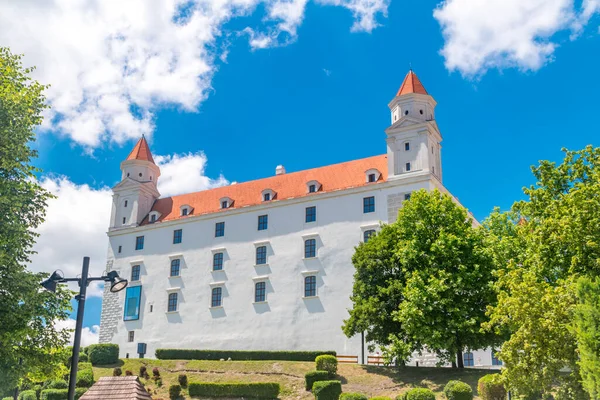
<point x="177" y="234"/>
<point x="406" y="146"/>
<point x="261" y="255"/>
<point x="172" y="305"/>
<point x="132" y="303"/>
<point x="495" y="360"/>
<point x="372" y="178"/>
<point x="368" y="204"/>
<point x="368" y="234"/>
<point x="312" y="188"/>
<point x="407" y="196"/>
<point x="184" y="212"/>
<point x="224" y="204"/>
<point x="217" y="261"/>
<point x="310" y="248"/>
<point x="267" y="197"/>
<point x="217" y="297"/>
<point x="468" y="359"/>
<point x="220" y="229"/>
<point x="135" y="273"/>
<point x="311" y="214"/>
<point x="263" y="222"/>
<point x="407" y="166"/>
<point x="310" y="286"/>
<point x="139" y="243"/>
<point x="260" y="292"/>
<point x="175" y="267"/>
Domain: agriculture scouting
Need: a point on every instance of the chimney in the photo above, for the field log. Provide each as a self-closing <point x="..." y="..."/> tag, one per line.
<point x="280" y="170"/>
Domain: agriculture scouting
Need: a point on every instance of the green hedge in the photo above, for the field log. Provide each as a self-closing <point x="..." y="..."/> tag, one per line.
<point x="238" y="355"/>
<point x="353" y="396"/>
<point x="103" y="354"/>
<point x="419" y="394"/>
<point x="490" y="387"/>
<point x="85" y="375"/>
<point x="56" y="384"/>
<point x="327" y="390"/>
<point x="60" y="394"/>
<point x="380" y="398"/>
<point x="27" y="395"/>
<point x="260" y="390"/>
<point x="327" y="362"/>
<point x="315" y="376"/>
<point x="457" y="390"/>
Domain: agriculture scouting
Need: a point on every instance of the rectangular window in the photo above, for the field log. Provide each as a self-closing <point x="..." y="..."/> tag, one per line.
<point x="267" y="197"/>
<point x="153" y="218"/>
<point x="131" y="336"/>
<point x="468" y="359"/>
<point x="184" y="212"/>
<point x="371" y="177"/>
<point x="139" y="243"/>
<point x="310" y="286"/>
<point x="172" y="306"/>
<point x="216" y="298"/>
<point x="368" y="234"/>
<point x="217" y="261"/>
<point x="120" y="248"/>
<point x="175" y="264"/>
<point x="406" y="146"/>
<point x="368" y="204"/>
<point x="407" y="196"/>
<point x="495" y="360"/>
<point x="312" y="188"/>
<point x="224" y="204"/>
<point x="311" y="214"/>
<point x="263" y="222"/>
<point x="220" y="229"/>
<point x="260" y="292"/>
<point x="177" y="235"/>
<point x="135" y="273"/>
<point x="407" y="166"/>
<point x="124" y="220"/>
<point x="132" y="303"/>
<point x="261" y="255"/>
<point x="310" y="248"/>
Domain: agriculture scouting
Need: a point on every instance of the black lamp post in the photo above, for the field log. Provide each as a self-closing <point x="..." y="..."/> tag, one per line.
<point x="116" y="285"/>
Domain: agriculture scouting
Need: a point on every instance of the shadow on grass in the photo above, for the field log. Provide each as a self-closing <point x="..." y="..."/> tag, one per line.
<point x="120" y="363"/>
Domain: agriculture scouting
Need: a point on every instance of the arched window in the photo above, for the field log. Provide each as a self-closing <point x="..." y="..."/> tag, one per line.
<point x="216" y="298"/>
<point x="172" y="306"/>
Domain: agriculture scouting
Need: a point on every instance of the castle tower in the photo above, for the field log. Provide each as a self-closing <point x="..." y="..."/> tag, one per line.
<point x="413" y="139"/>
<point x="134" y="196"/>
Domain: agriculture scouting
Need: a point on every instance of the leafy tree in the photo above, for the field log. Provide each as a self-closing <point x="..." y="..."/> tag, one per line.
<point x="30" y="346"/>
<point x="424" y="281"/>
<point x="554" y="243"/>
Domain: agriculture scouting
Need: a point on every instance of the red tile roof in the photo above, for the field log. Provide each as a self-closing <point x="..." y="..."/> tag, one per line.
<point x="141" y="151"/>
<point x="286" y="186"/>
<point x="411" y="84"/>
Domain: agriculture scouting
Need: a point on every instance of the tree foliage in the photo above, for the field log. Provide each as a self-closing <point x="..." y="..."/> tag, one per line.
<point x="29" y="343"/>
<point x="587" y="333"/>
<point x="424" y="281"/>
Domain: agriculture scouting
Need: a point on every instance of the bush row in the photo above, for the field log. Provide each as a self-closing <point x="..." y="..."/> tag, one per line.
<point x="60" y="394"/>
<point x="245" y="355"/>
<point x="103" y="354"/>
<point x="252" y="390"/>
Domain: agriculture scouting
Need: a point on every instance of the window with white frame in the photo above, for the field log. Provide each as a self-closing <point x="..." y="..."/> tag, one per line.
<point x="310" y="286"/>
<point x="260" y="292"/>
<point x="372" y="175"/>
<point x="185" y="210"/>
<point x="225" y="202"/>
<point x="267" y="195"/>
<point x="313" y="186"/>
<point x="172" y="302"/>
<point x="217" y="261"/>
<point x="216" y="297"/>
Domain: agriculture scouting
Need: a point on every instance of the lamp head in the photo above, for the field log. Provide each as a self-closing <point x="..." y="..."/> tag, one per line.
<point x="117" y="283"/>
<point x="50" y="283"/>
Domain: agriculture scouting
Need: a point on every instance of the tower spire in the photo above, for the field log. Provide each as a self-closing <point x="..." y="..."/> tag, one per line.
<point x="141" y="151"/>
<point x="411" y="84"/>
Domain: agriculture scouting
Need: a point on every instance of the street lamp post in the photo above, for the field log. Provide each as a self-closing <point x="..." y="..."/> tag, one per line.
<point x="116" y="285"/>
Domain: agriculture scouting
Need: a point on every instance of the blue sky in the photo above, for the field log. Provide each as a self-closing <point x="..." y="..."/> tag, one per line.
<point x="318" y="95"/>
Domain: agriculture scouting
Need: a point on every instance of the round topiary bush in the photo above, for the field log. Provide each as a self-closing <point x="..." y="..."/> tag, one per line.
<point x="490" y="387"/>
<point x="353" y="396"/>
<point x="419" y="394"/>
<point x="174" y="391"/>
<point x="457" y="390"/>
<point x="117" y="371"/>
<point x="103" y="354"/>
<point x="327" y="363"/>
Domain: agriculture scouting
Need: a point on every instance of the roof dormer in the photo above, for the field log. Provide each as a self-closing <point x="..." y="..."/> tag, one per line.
<point x="153" y="216"/>
<point x="313" y="186"/>
<point x="225" y="202"/>
<point x="372" y="175"/>
<point x="267" y="195"/>
<point x="185" y="210"/>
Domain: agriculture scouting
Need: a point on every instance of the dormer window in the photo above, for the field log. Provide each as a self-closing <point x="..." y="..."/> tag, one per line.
<point x="313" y="186"/>
<point x="153" y="216"/>
<point x="225" y="202"/>
<point x="267" y="195"/>
<point x="185" y="210"/>
<point x="372" y="175"/>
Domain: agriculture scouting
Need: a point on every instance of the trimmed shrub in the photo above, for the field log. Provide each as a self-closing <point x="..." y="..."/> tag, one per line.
<point x="103" y="354"/>
<point x="327" y="390"/>
<point x="85" y="378"/>
<point x="420" y="394"/>
<point x="490" y="387"/>
<point x="457" y="390"/>
<point x="60" y="394"/>
<point x="117" y="371"/>
<point x="56" y="384"/>
<point x="155" y="372"/>
<point x="7" y="398"/>
<point x="174" y="391"/>
<point x="260" y="390"/>
<point x="238" y="355"/>
<point x="315" y="376"/>
<point x="83" y="357"/>
<point x="143" y="372"/>
<point x="27" y="395"/>
<point x="128" y="373"/>
<point x="327" y="363"/>
<point x="353" y="396"/>
<point x="182" y="378"/>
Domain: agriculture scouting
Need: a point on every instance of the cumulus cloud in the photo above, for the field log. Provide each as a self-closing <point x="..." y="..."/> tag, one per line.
<point x="113" y="63"/>
<point x="484" y="34"/>
<point x="77" y="219"/>
<point x="89" y="335"/>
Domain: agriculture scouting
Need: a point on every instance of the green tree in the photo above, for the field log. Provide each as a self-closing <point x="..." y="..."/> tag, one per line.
<point x="29" y="342"/>
<point x="554" y="243"/>
<point x="424" y="281"/>
<point x="587" y="333"/>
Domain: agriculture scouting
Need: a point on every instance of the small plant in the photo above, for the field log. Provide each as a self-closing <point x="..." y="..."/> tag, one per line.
<point x="143" y="371"/>
<point x="117" y="371"/>
<point x="353" y="396"/>
<point x="327" y="363"/>
<point x="457" y="390"/>
<point x="174" y="391"/>
<point x="128" y="373"/>
<point x="182" y="378"/>
<point x="155" y="372"/>
<point x="158" y="382"/>
<point x="327" y="390"/>
<point x="419" y="394"/>
<point x="490" y="387"/>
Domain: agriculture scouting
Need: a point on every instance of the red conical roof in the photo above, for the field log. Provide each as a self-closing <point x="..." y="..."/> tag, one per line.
<point x="141" y="151"/>
<point x="411" y="84"/>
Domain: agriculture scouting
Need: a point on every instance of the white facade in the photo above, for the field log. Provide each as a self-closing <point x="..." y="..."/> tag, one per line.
<point x="286" y="320"/>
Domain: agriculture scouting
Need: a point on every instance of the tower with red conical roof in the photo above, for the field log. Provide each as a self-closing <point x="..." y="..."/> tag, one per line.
<point x="134" y="196"/>
<point x="413" y="139"/>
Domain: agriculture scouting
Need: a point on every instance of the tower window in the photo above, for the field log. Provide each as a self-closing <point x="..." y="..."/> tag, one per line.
<point x="407" y="196"/>
<point x="220" y="229"/>
<point x="139" y="243"/>
<point x="433" y="169"/>
<point x="310" y="248"/>
<point x="372" y="178"/>
<point x="267" y="197"/>
<point x="407" y="166"/>
<point x="175" y="264"/>
<point x="312" y="188"/>
<point x="177" y="236"/>
<point x="260" y="292"/>
<point x="368" y="234"/>
<point x="311" y="214"/>
<point x="310" y="286"/>
<point x="135" y="273"/>
<point x="151" y="308"/>
<point x="172" y="306"/>
<point x="406" y="112"/>
<point x="217" y="297"/>
<point x="128" y="174"/>
<point x="368" y="205"/>
<point x="263" y="222"/>
<point x="120" y="248"/>
<point x="125" y="205"/>
<point x="131" y="336"/>
<point x="217" y="261"/>
<point x="421" y="111"/>
<point x="140" y="174"/>
<point x="407" y="146"/>
<point x="431" y="149"/>
<point x="124" y="220"/>
<point x="261" y="255"/>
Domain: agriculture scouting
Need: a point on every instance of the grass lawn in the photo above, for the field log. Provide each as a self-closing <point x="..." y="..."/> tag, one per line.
<point x="369" y="380"/>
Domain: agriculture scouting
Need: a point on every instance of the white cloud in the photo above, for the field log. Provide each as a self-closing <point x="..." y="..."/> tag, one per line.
<point x="484" y="34"/>
<point x="89" y="335"/>
<point x="113" y="63"/>
<point x="77" y="219"/>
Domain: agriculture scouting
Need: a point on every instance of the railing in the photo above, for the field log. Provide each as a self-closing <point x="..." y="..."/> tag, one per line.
<point x="347" y="359"/>
<point x="374" y="360"/>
